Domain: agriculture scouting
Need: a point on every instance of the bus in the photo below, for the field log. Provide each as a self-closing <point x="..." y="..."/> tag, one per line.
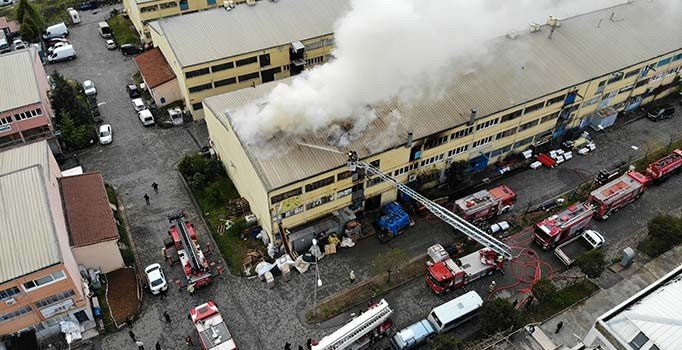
<point x="455" y="312"/>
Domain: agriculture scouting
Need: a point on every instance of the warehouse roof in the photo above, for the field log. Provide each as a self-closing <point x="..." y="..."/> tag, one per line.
<point x="18" y="82"/>
<point x="154" y="68"/>
<point x="524" y="69"/>
<point x="217" y="34"/>
<point x="28" y="240"/>
<point x="88" y="213"/>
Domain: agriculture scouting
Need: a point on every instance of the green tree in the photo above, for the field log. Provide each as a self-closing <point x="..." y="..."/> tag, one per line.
<point x="29" y="31"/>
<point x="592" y="263"/>
<point x="665" y="231"/>
<point x="500" y="315"/>
<point x="389" y="261"/>
<point x="65" y="99"/>
<point x="76" y="137"/>
<point x="445" y="342"/>
<point x="544" y="290"/>
<point x="28" y="16"/>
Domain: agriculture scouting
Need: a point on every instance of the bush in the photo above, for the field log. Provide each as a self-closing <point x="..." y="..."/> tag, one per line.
<point x="445" y="342"/>
<point x="76" y="137"/>
<point x="500" y="315"/>
<point x="592" y="263"/>
<point x="544" y="290"/>
<point x="665" y="232"/>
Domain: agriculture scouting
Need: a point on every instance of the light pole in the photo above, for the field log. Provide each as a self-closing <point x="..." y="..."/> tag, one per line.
<point x="318" y="282"/>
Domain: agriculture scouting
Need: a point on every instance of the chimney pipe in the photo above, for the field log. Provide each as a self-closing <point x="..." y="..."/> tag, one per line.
<point x="472" y="116"/>
<point x="408" y="144"/>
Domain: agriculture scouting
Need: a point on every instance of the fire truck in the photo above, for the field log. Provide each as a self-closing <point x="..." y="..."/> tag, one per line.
<point x="194" y="264"/>
<point x="361" y="331"/>
<point x="445" y="274"/>
<point x="561" y="227"/>
<point x="662" y="168"/>
<point x="211" y="329"/>
<point x="618" y="193"/>
<point x="485" y="204"/>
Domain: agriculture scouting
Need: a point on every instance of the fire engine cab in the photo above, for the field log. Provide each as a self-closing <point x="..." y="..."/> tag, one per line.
<point x="559" y="228"/>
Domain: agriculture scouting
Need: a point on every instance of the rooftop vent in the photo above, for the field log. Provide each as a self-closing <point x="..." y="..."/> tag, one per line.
<point x="512" y="35"/>
<point x="535" y="27"/>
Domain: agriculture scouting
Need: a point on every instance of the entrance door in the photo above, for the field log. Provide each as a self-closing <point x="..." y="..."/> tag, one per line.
<point x="373" y="203"/>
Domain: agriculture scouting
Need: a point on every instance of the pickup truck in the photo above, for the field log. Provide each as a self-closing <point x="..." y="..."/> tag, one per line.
<point x="573" y="248"/>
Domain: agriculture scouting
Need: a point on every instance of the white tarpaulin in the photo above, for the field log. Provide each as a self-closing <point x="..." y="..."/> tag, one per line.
<point x="72" y="331"/>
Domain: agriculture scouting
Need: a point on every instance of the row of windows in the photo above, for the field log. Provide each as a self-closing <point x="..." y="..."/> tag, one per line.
<point x="462" y="133"/>
<point x="168" y="5"/>
<point x="282" y="196"/>
<point x="487" y="124"/>
<point x="314" y="60"/>
<point x="16" y="313"/>
<point x="318" y="44"/>
<point x="431" y="143"/>
<point x="9" y="293"/>
<point x="458" y="150"/>
<point x="6" y="120"/>
<point x="47" y="279"/>
<point x="505" y="133"/>
<point x="432" y="160"/>
<point x="319" y="201"/>
<point x="227" y="65"/>
<point x="374" y="181"/>
<point x="528" y="125"/>
<point x="22" y="116"/>
<point x="406" y="168"/>
<point x="54" y="299"/>
<point x="223" y="82"/>
<point x="319" y="184"/>
<point x="481" y="142"/>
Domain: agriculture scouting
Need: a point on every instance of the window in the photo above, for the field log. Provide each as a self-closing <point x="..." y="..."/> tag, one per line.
<point x="639" y="341"/>
<point x="224" y="82"/>
<point x="458" y="150"/>
<point x="615" y="77"/>
<point x="374" y="181"/>
<point x="677" y="57"/>
<point x="249" y="76"/>
<point x="25" y="115"/>
<point x="344" y="175"/>
<point x="549" y="117"/>
<point x="196" y="73"/>
<point x="247" y="61"/>
<point x="642" y="82"/>
<point x="9" y="293"/>
<point x="663" y="62"/>
<point x="319" y="201"/>
<point x="184" y="5"/>
<point x="47" y="279"/>
<point x="289" y="213"/>
<point x="482" y="142"/>
<point x="600" y="88"/>
<point x="16" y="313"/>
<point x="528" y="125"/>
<point x="591" y="101"/>
<point x="197" y="106"/>
<point x="657" y="77"/>
<point x="511" y="116"/>
<point x="486" y="124"/>
<point x="523" y="142"/>
<point x="437" y="141"/>
<point x="375" y="163"/>
<point x="282" y="196"/>
<point x="557" y="99"/>
<point x="505" y="133"/>
<point x="319" y="184"/>
<point x="168" y="5"/>
<point x="6" y="120"/>
<point x="631" y="73"/>
<point x="149" y="9"/>
<point x="534" y="107"/>
<point x="625" y="89"/>
<point x="210" y="2"/>
<point x="220" y="67"/>
<point x="54" y="299"/>
<point x="202" y="87"/>
<point x="500" y="151"/>
<point x="264" y="60"/>
<point x="343" y="193"/>
<point x="462" y="133"/>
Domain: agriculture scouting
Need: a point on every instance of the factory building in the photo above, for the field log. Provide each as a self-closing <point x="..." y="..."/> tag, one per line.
<point x="532" y="88"/>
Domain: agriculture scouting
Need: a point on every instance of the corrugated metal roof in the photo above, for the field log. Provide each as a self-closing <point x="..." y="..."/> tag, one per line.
<point x="27" y="155"/>
<point x="517" y="71"/>
<point x="217" y="33"/>
<point x="18" y="83"/>
<point x="658" y="315"/>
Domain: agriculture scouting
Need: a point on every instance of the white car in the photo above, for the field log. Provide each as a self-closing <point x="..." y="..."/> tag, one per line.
<point x="111" y="45"/>
<point x="156" y="278"/>
<point x="105" y="134"/>
<point x="18" y="44"/>
<point x="56" y="45"/>
<point x="89" y="88"/>
<point x="6" y="2"/>
<point x="146" y="117"/>
<point x="138" y="104"/>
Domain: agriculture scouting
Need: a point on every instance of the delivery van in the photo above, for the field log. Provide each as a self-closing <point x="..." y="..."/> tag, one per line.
<point x="56" y="31"/>
<point x="62" y="53"/>
<point x="104" y="30"/>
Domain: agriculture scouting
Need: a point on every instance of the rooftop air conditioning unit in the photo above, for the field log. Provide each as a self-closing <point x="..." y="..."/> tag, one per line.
<point x="535" y="27"/>
<point x="250" y="2"/>
<point x="228" y="4"/>
<point x="412" y="177"/>
<point x="553" y="21"/>
<point x="10" y="301"/>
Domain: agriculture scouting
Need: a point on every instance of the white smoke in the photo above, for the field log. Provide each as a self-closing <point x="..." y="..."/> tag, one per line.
<point x="391" y="49"/>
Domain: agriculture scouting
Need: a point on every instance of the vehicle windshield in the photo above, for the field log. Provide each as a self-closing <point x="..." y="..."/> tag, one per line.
<point x="149" y="119"/>
<point x="156" y="282"/>
<point x="542" y="235"/>
<point x="87" y="85"/>
<point x="104" y="133"/>
<point x="435" y="281"/>
<point x="106" y="30"/>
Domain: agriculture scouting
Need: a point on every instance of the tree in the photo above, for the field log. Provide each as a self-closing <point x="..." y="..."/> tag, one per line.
<point x="75" y="137"/>
<point x="388" y="261"/>
<point x="500" y="315"/>
<point x="32" y="22"/>
<point x="592" y="263"/>
<point x="665" y="231"/>
<point x="445" y="342"/>
<point x="29" y="31"/>
<point x="64" y="98"/>
<point x="544" y="290"/>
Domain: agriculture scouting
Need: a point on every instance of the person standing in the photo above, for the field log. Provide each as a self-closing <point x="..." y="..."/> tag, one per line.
<point x="155" y="186"/>
<point x="146" y="198"/>
<point x="351" y="275"/>
<point x="287" y="346"/>
<point x="188" y="340"/>
<point x="300" y="347"/>
<point x="558" y="326"/>
<point x="140" y="345"/>
<point x="166" y="316"/>
<point x="158" y="346"/>
<point x="491" y="287"/>
<point x="309" y="344"/>
<point x="132" y="335"/>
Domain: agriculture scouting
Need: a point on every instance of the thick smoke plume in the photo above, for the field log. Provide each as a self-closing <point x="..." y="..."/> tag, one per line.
<point x="391" y="49"/>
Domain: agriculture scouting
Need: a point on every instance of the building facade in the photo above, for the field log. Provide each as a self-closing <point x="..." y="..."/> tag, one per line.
<point x="158" y="77"/>
<point x="218" y="51"/>
<point x="40" y="284"/>
<point x="517" y="107"/>
<point x="25" y="110"/>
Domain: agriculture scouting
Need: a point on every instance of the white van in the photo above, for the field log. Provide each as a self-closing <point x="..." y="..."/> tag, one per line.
<point x="104" y="30"/>
<point x="449" y="315"/>
<point x="75" y="16"/>
<point x="62" y="53"/>
<point x="56" y="31"/>
<point x="146" y="117"/>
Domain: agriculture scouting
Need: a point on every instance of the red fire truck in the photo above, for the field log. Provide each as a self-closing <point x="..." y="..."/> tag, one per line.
<point x="618" y="193"/>
<point x="485" y="204"/>
<point x="211" y="328"/>
<point x="559" y="228"/>
<point x="194" y="264"/>
<point x="445" y="274"/>
<point x="662" y="168"/>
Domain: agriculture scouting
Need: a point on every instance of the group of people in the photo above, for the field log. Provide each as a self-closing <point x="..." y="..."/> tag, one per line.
<point x="155" y="187"/>
<point x="308" y="345"/>
<point x="157" y="346"/>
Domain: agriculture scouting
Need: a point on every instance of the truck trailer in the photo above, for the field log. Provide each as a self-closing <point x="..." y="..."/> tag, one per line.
<point x="618" y="193"/>
<point x="445" y="274"/>
<point x="664" y="167"/>
<point x="360" y="332"/>
<point x="485" y="204"/>
<point x="561" y="227"/>
<point x="569" y="251"/>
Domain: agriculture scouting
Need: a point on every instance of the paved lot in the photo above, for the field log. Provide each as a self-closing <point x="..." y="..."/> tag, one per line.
<point x="264" y="319"/>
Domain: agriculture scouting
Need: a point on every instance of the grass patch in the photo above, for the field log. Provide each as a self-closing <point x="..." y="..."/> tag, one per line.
<point x="123" y="31"/>
<point x="562" y="299"/>
<point x="54" y="11"/>
<point x="124" y="242"/>
<point x="366" y="290"/>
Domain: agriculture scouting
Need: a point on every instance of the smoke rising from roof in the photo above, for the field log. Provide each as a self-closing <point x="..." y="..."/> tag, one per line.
<point x="404" y="50"/>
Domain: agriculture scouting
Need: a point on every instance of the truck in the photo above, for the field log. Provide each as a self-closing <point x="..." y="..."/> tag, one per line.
<point x="485" y="204"/>
<point x="195" y="266"/>
<point x="664" y="167"/>
<point x="570" y="250"/>
<point x="563" y="226"/>
<point x="211" y="328"/>
<point x="617" y="193"/>
<point x="361" y="331"/>
<point x="445" y="274"/>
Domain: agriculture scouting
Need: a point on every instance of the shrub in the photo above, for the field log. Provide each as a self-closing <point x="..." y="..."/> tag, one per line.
<point x="592" y="263"/>
<point x="665" y="231"/>
<point x="500" y="315"/>
<point x="445" y="342"/>
<point x="544" y="290"/>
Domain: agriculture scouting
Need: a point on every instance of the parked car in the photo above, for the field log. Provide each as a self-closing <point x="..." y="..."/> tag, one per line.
<point x="105" y="134"/>
<point x="661" y="112"/>
<point x="146" y="117"/>
<point x="18" y="44"/>
<point x="6" y="2"/>
<point x="62" y="54"/>
<point x="129" y="49"/>
<point x="56" y="45"/>
<point x="138" y="104"/>
<point x="111" y="45"/>
<point x="89" y="88"/>
<point x="156" y="278"/>
<point x="75" y="16"/>
<point x="87" y="5"/>
<point x="133" y="92"/>
<point x="53" y="41"/>
<point x="58" y="30"/>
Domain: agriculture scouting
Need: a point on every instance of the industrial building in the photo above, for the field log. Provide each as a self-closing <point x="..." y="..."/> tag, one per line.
<point x="533" y="89"/>
<point x="649" y="320"/>
<point x="217" y="51"/>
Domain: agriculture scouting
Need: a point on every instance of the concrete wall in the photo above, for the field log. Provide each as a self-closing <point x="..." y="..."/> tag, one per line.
<point x="104" y="256"/>
<point x="169" y="90"/>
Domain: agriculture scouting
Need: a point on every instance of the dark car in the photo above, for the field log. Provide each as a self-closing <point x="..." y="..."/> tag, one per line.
<point x="133" y="92"/>
<point x="129" y="49"/>
<point x="661" y="112"/>
<point x="87" y="5"/>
